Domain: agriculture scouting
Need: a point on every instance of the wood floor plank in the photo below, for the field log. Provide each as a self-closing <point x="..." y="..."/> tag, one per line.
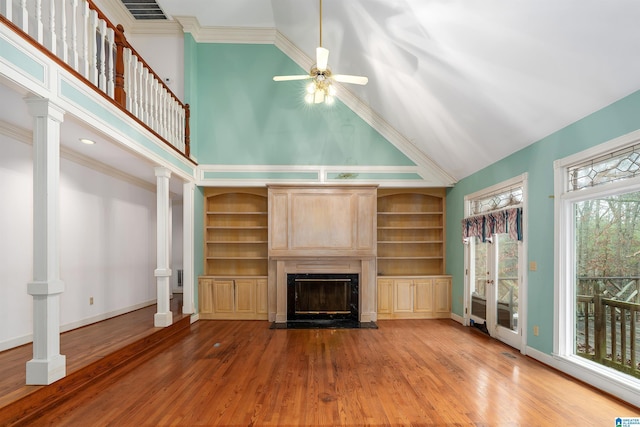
<point x="407" y="372"/>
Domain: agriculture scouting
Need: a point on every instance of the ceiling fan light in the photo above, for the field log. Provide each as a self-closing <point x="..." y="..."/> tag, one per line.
<point x="308" y="98"/>
<point x="318" y="97"/>
<point x="332" y="90"/>
<point x="329" y="100"/>
<point x="311" y="88"/>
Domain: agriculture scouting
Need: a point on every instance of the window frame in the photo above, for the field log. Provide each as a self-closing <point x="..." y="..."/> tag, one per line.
<point x="605" y="378"/>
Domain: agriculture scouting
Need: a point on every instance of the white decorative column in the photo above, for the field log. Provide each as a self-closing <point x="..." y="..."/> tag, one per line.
<point x="163" y="317"/>
<point x="47" y="365"/>
<point x="188" y="190"/>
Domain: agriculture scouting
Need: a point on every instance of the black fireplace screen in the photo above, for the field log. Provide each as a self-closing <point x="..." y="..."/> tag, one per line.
<point x="322" y="297"/>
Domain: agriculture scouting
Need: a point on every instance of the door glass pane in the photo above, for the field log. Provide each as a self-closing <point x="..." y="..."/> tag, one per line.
<point x="479" y="280"/>
<point x="507" y="279"/>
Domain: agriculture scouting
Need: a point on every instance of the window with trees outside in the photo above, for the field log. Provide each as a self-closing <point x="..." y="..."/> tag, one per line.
<point x="598" y="254"/>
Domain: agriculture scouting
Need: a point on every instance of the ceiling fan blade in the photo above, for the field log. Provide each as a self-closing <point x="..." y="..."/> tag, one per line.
<point x="322" y="58"/>
<point x="287" y="78"/>
<point x="344" y="78"/>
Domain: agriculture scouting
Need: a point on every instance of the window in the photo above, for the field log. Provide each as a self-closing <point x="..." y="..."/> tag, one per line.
<point x="598" y="253"/>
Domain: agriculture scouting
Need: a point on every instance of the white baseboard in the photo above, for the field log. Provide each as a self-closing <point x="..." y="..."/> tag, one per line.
<point x="105" y="316"/>
<point x="457" y="318"/>
<point x="195" y="317"/>
<point x="26" y="339"/>
<point x="606" y="379"/>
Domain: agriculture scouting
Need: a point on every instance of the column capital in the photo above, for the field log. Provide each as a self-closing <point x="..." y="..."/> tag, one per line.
<point x="43" y="107"/>
<point x="163" y="172"/>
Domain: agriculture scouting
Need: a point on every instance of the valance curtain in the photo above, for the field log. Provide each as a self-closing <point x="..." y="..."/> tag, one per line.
<point x="508" y="221"/>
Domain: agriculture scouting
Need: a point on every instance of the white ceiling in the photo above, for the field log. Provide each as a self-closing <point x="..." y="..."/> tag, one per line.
<point x="467" y="82"/>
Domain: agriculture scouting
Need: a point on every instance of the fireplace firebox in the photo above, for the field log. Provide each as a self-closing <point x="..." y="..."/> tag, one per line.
<point x="322" y="299"/>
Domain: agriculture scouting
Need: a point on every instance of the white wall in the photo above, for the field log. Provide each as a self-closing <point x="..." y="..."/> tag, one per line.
<point x="107" y="239"/>
<point x="165" y="55"/>
<point x="176" y="243"/>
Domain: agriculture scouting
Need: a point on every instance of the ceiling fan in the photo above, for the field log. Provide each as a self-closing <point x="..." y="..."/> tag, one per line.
<point x="321" y="89"/>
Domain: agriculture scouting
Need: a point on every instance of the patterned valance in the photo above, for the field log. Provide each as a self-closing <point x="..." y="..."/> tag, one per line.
<point x="507" y="221"/>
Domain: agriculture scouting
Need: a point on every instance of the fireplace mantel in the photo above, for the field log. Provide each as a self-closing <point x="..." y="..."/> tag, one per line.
<point x="322" y="229"/>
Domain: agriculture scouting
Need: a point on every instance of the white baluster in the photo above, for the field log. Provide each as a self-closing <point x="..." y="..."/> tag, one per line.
<point x="137" y="80"/>
<point x="93" y="47"/>
<point x="102" y="76"/>
<point x="128" y="79"/>
<point x="7" y="9"/>
<point x="110" y="58"/>
<point x="86" y="15"/>
<point x="173" y="120"/>
<point x="166" y="118"/>
<point x="63" y="30"/>
<point x="25" y="16"/>
<point x="145" y="94"/>
<point x="52" y="26"/>
<point x="153" y="102"/>
<point x="156" y="105"/>
<point x="39" y="24"/>
<point x="74" y="35"/>
<point x="181" y="126"/>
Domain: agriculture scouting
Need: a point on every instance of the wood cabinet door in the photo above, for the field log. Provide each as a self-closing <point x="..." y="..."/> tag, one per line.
<point x="262" y="305"/>
<point x="423" y="297"/>
<point x="403" y="296"/>
<point x="205" y="296"/>
<point x="442" y="296"/>
<point x="223" y="296"/>
<point x="385" y="296"/>
<point x="245" y="296"/>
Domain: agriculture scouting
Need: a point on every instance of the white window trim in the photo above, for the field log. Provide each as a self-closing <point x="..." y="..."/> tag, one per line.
<point x="563" y="357"/>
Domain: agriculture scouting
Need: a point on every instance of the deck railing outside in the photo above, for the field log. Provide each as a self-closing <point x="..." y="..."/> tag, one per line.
<point x="80" y="35"/>
<point x="607" y="323"/>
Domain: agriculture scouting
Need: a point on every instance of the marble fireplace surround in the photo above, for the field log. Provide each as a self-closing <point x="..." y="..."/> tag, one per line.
<point x="322" y="229"/>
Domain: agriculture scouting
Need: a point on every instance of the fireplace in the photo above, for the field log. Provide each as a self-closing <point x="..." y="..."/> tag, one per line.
<point x="323" y="299"/>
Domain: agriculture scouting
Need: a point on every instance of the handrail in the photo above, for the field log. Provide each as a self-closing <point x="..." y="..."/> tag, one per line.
<point x="96" y="50"/>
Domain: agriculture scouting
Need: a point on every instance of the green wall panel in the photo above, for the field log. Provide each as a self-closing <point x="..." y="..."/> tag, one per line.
<point x="22" y="61"/>
<point x="537" y="160"/>
<point x="240" y="116"/>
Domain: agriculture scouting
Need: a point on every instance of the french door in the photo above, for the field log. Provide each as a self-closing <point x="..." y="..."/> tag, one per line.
<point x="493" y="283"/>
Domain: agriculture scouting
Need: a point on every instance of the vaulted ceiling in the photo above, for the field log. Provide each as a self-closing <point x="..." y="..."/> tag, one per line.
<point x="466" y="82"/>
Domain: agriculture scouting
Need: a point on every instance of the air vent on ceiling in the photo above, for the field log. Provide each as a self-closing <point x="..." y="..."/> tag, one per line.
<point x="144" y="9"/>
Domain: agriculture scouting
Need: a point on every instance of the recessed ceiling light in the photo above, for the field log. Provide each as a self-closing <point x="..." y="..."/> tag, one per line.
<point x="87" y="141"/>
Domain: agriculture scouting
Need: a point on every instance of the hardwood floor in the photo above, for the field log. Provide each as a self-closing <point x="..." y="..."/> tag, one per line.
<point x="407" y="372"/>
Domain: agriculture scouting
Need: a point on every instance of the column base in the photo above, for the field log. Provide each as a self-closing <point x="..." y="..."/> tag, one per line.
<point x="46" y="371"/>
<point x="160" y="320"/>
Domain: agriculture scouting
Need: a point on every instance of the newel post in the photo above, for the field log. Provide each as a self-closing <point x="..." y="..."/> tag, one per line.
<point x="187" y="131"/>
<point x="119" y="94"/>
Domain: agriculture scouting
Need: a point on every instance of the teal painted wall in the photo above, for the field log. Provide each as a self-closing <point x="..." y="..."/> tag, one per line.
<point x="240" y="116"/>
<point x="198" y="239"/>
<point x="537" y="160"/>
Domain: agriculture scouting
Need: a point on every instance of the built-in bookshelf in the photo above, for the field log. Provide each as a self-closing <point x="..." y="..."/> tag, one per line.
<point x="236" y="232"/>
<point x="411" y="227"/>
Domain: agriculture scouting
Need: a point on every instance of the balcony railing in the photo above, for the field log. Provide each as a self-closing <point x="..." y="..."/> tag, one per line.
<point x="79" y="35"/>
<point x="607" y="322"/>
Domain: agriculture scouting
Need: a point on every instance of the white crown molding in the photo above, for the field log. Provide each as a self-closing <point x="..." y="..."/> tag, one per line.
<point x="116" y="12"/>
<point x="248" y="35"/>
<point x="119" y="14"/>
